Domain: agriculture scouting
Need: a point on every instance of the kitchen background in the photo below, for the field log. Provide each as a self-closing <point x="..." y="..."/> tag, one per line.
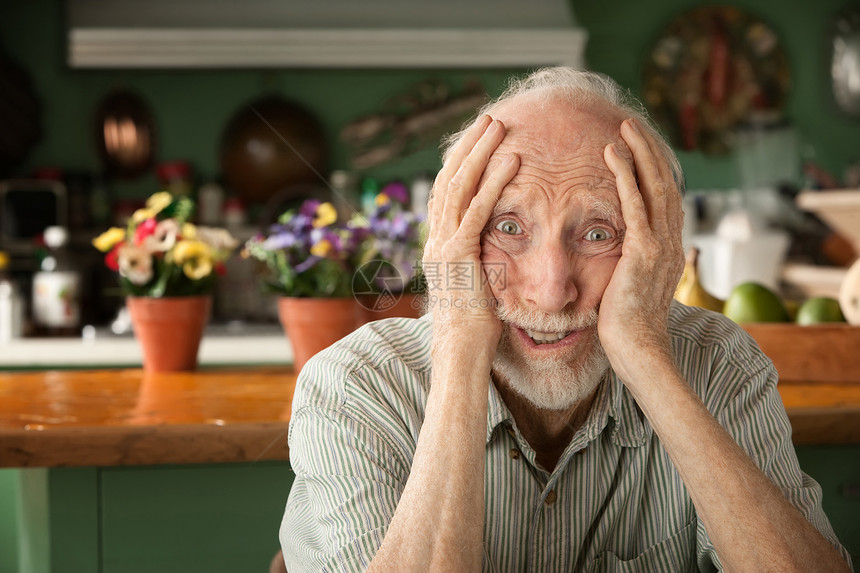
<point x="191" y="107"/>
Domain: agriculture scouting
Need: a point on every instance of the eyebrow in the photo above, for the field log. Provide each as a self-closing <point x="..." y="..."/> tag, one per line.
<point x="596" y="207"/>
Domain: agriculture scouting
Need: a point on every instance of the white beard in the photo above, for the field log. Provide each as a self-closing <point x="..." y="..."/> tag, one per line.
<point x="550" y="384"/>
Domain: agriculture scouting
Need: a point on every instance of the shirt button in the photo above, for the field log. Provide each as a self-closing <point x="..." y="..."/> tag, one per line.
<point x="514" y="453"/>
<point x="550" y="498"/>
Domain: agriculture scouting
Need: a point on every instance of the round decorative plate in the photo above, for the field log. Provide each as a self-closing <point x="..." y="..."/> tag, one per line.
<point x="712" y="69"/>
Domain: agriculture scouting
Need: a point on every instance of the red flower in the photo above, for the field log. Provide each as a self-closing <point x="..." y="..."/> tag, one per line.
<point x="220" y="269"/>
<point x="144" y="230"/>
<point x="112" y="258"/>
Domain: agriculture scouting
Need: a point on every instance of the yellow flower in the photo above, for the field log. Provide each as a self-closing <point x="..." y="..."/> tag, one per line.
<point x="382" y="199"/>
<point x="322" y="248"/>
<point x="326" y="215"/>
<point x="189" y="231"/>
<point x="141" y="215"/>
<point x="158" y="201"/>
<point x="107" y="240"/>
<point x="197" y="268"/>
<point x="195" y="258"/>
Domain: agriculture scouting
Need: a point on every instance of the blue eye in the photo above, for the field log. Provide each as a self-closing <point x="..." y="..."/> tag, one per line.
<point x="509" y="227"/>
<point x="598" y="234"/>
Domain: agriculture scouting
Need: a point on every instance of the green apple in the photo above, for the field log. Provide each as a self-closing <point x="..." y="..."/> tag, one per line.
<point x="819" y="309"/>
<point x="753" y="302"/>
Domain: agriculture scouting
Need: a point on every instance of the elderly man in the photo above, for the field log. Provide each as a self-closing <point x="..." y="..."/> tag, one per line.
<point x="555" y="411"/>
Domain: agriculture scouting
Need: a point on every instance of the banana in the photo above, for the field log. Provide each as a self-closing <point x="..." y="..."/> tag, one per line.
<point x="849" y="294"/>
<point x="690" y="291"/>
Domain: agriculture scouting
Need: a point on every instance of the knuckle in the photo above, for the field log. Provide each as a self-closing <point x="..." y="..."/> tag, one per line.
<point x="456" y="182"/>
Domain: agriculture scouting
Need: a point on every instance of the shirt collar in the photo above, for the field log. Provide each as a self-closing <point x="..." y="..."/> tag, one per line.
<point x="628" y="427"/>
<point x="614" y="410"/>
<point x="497" y="411"/>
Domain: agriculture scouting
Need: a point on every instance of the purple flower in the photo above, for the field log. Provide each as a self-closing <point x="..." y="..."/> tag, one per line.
<point x="309" y="208"/>
<point x="397" y="191"/>
<point x="283" y="240"/>
<point x="400" y="225"/>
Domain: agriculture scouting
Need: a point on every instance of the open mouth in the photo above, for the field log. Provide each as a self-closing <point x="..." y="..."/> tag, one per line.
<point x="540" y="338"/>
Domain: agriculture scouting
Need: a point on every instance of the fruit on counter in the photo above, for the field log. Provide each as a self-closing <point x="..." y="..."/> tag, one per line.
<point x="818" y="310"/>
<point x="849" y="294"/>
<point x="690" y="290"/>
<point x="753" y="302"/>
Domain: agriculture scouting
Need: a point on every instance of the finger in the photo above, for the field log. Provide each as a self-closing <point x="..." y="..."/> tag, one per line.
<point x="462" y="149"/>
<point x="458" y="154"/>
<point x="674" y="201"/>
<point x="481" y="207"/>
<point x="633" y="208"/>
<point x="652" y="184"/>
<point x="464" y="184"/>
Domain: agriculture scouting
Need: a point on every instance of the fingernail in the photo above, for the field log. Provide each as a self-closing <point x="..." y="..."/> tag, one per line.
<point x="634" y="124"/>
<point x="510" y="159"/>
<point x="611" y="148"/>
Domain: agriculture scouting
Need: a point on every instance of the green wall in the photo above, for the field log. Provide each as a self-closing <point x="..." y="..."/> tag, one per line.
<point x="621" y="37"/>
<point x="192" y="107"/>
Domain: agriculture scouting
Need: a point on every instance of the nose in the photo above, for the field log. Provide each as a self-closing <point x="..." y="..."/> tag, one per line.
<point x="552" y="286"/>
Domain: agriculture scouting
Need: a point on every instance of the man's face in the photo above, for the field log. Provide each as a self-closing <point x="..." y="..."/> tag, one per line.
<point x="557" y="232"/>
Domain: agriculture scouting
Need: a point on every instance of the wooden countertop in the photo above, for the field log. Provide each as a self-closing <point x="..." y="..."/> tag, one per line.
<point x="125" y="417"/>
<point x="216" y="415"/>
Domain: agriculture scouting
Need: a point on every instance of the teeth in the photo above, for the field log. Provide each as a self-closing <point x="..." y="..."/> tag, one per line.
<point x="546" y="337"/>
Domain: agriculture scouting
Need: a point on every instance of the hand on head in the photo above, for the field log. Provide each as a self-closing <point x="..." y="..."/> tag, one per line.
<point x="635" y="305"/>
<point x="462" y="202"/>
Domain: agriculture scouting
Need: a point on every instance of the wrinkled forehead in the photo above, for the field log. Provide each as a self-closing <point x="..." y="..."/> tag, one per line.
<point x="540" y="128"/>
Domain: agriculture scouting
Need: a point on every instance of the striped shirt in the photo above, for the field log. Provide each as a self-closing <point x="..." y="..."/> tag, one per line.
<point x="614" y="501"/>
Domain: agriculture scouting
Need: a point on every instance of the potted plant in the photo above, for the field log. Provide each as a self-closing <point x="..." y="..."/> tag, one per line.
<point x="167" y="269"/>
<point x="311" y="258"/>
<point x="389" y="280"/>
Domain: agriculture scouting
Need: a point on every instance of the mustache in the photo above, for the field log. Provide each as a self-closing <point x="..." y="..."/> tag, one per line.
<point x="546" y="322"/>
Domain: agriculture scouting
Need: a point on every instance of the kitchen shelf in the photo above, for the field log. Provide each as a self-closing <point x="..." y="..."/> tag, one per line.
<point x="839" y="208"/>
<point x="821" y="353"/>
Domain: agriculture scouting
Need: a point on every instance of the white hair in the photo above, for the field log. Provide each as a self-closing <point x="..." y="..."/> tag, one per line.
<point x="580" y="88"/>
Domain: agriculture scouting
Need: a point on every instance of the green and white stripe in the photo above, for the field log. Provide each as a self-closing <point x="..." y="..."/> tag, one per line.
<point x="613" y="503"/>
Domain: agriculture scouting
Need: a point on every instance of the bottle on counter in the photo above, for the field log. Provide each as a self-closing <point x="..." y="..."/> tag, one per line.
<point x="210" y="202"/>
<point x="11" y="304"/>
<point x="370" y="188"/>
<point x="344" y="193"/>
<point x="57" y="288"/>
<point x="419" y="193"/>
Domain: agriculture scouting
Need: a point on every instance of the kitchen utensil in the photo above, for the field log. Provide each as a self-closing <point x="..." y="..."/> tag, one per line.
<point x="270" y="144"/>
<point x="125" y="134"/>
<point x="741" y="250"/>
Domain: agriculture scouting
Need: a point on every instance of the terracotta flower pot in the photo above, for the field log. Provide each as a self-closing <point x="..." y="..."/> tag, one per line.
<point x="169" y="330"/>
<point x="313" y="324"/>
<point x="377" y="307"/>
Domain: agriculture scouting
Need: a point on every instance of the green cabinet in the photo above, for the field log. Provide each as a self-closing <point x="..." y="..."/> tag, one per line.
<point x="837" y="470"/>
<point x="225" y="517"/>
<point x="169" y="519"/>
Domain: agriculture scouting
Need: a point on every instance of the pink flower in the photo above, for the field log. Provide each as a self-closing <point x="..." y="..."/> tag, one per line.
<point x="144" y="230"/>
